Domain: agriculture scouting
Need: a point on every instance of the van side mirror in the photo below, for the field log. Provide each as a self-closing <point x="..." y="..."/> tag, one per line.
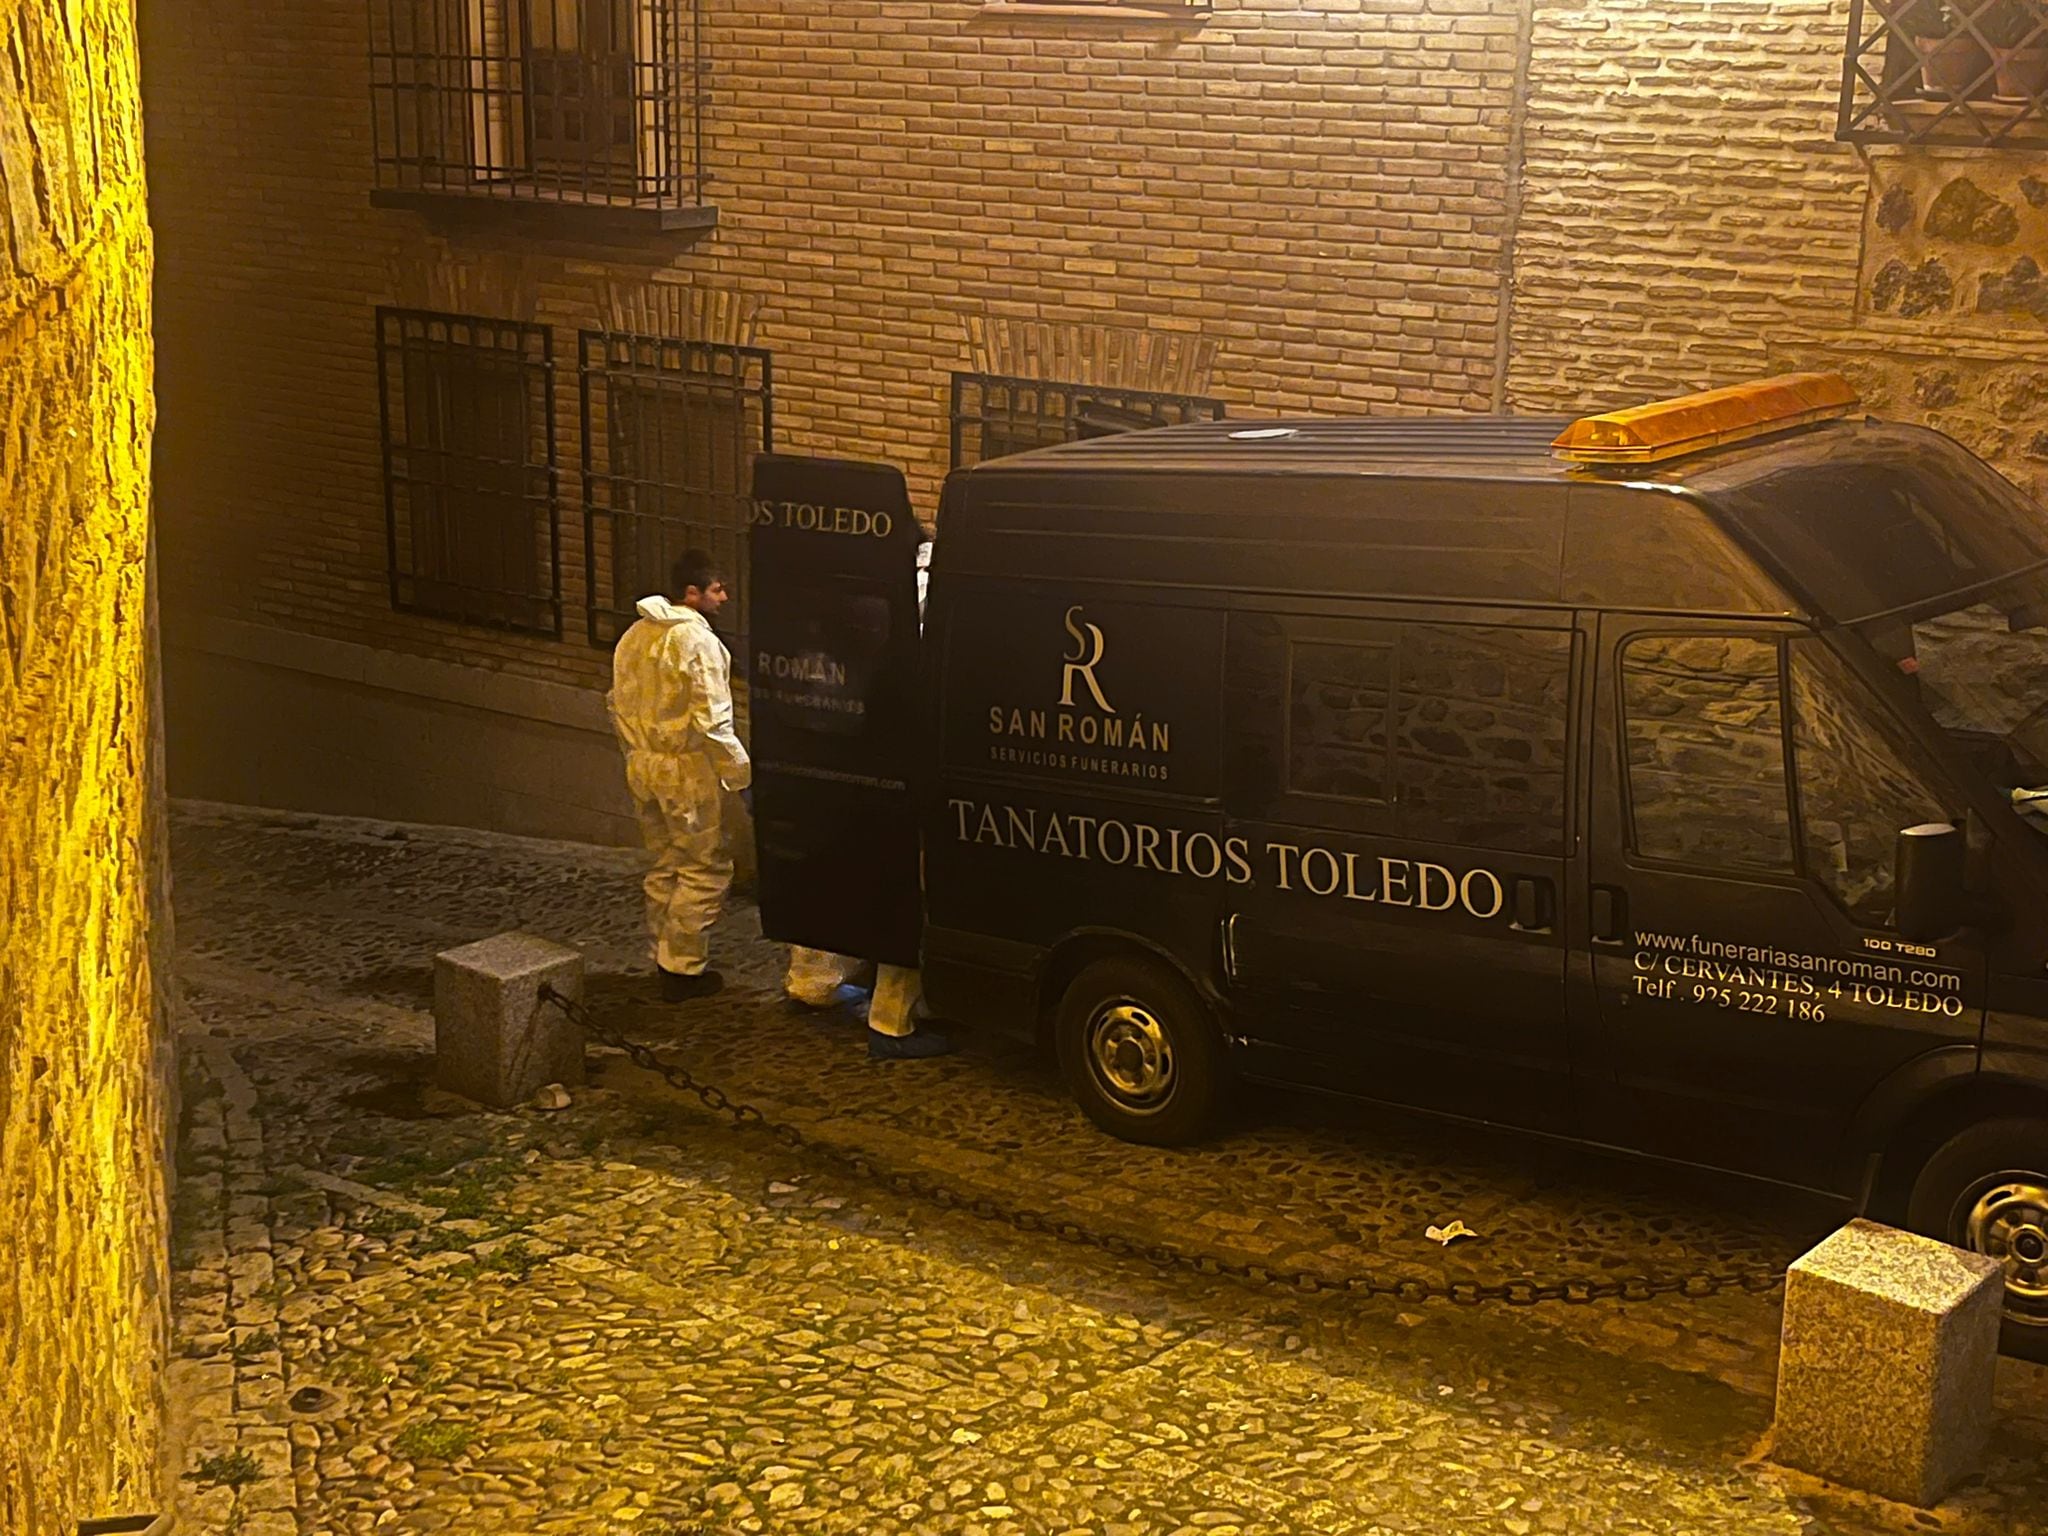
<point x="1927" y="880"/>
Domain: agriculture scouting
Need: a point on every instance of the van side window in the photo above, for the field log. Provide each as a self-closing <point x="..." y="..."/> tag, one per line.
<point x="1439" y="732"/>
<point x="1855" y="791"/>
<point x="1308" y="704"/>
<point x="1706" y="751"/>
<point x="1479" y="739"/>
<point x="1338" y="699"/>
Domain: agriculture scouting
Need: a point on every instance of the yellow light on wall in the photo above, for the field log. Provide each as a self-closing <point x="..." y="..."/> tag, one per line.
<point x="1665" y="429"/>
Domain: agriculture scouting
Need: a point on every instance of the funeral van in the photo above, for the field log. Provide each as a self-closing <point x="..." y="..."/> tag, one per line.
<point x="1666" y="780"/>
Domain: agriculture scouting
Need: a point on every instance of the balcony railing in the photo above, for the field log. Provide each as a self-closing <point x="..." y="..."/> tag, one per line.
<point x="590" y="108"/>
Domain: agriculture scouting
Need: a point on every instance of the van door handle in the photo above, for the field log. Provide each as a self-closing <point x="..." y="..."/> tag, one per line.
<point x="1535" y="907"/>
<point x="1610" y="914"/>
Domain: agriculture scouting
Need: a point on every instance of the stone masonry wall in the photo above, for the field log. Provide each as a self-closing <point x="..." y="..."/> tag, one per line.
<point x="1683" y="199"/>
<point x="1319" y="190"/>
<point x="1954" y="328"/>
<point x="83" y="1097"/>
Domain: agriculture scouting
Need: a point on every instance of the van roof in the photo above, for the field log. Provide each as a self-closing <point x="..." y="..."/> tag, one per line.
<point x="1840" y="519"/>
<point x="1470" y="448"/>
<point x="1465" y="447"/>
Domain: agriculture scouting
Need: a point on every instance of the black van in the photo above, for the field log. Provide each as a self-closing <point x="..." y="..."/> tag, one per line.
<point x="1659" y="780"/>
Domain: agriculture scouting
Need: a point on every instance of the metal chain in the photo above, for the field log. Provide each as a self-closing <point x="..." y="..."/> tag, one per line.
<point x="1579" y="1291"/>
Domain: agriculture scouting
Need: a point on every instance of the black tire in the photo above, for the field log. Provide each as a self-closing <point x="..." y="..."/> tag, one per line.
<point x="1986" y="1188"/>
<point x="1140" y="1051"/>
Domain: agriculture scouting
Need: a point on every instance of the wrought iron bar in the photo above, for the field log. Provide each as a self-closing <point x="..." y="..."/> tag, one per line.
<point x="561" y="101"/>
<point x="471" y="484"/>
<point x="1945" y="72"/>
<point x="669" y="436"/>
<point x="998" y="414"/>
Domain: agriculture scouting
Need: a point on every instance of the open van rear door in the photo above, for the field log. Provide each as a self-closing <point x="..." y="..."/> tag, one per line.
<point x="835" y="705"/>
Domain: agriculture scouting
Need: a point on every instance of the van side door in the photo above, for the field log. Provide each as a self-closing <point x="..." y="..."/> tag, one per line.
<point x="1747" y="793"/>
<point x="1400" y="782"/>
<point x="835" y="697"/>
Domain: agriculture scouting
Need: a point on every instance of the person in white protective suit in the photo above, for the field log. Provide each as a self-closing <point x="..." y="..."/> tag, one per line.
<point x="816" y="977"/>
<point x="671" y="705"/>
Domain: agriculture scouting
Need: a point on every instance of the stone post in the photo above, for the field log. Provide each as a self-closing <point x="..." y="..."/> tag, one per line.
<point x="495" y="1040"/>
<point x="1884" y="1372"/>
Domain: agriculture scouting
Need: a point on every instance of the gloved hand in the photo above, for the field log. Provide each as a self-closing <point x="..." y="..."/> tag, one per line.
<point x="747" y="799"/>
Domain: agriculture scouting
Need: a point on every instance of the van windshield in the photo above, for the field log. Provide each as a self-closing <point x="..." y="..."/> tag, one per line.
<point x="1891" y="518"/>
<point x="1980" y="667"/>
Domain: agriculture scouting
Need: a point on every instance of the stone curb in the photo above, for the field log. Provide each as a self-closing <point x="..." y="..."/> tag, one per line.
<point x="232" y="1393"/>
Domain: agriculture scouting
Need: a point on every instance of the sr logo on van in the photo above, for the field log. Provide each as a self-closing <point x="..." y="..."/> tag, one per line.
<point x="1091" y="646"/>
<point x="1083" y="732"/>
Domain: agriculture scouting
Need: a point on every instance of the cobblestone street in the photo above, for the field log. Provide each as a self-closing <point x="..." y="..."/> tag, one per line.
<point x="398" y="1312"/>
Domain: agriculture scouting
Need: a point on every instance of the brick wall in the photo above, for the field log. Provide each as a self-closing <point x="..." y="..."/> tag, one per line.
<point x="1318" y="190"/>
<point x="1687" y="220"/>
<point x="83" y="1065"/>
<point x="1683" y="196"/>
<point x="1329" y="197"/>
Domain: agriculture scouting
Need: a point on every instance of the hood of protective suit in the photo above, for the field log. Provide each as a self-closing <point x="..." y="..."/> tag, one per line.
<point x="662" y="611"/>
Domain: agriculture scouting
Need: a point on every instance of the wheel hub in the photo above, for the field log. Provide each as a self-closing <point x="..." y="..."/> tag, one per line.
<point x="1131" y="1056"/>
<point x="2008" y="1222"/>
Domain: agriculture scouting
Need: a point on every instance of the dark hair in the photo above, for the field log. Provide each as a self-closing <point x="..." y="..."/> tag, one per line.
<point x="695" y="568"/>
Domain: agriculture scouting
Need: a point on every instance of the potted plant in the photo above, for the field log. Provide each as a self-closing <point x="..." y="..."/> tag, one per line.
<point x="2018" y="33"/>
<point x="1953" y="61"/>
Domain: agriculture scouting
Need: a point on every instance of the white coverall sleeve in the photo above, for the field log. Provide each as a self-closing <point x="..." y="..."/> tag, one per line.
<point x="711" y="715"/>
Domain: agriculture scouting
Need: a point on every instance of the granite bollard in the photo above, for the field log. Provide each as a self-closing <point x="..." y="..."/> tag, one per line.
<point x="1886" y="1361"/>
<point x="495" y="1040"/>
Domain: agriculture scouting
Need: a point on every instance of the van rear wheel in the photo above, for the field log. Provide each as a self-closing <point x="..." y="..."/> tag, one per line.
<point x="1986" y="1189"/>
<point x="1140" y="1051"/>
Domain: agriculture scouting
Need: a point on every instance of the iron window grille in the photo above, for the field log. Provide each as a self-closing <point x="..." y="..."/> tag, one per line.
<point x="471" y="499"/>
<point x="670" y="430"/>
<point x="581" y="102"/>
<point x="1946" y="72"/>
<point x="995" y="414"/>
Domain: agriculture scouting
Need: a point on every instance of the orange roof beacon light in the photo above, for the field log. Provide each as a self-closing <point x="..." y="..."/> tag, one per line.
<point x="1664" y="429"/>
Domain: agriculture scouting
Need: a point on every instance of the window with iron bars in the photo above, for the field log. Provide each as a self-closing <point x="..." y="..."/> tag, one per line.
<point x="470" y="490"/>
<point x="994" y="415"/>
<point x="1949" y="72"/>
<point x="670" y="430"/>
<point x="551" y="103"/>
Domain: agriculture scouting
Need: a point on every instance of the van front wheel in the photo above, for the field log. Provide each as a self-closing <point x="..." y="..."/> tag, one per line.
<point x="1986" y="1189"/>
<point x="1140" y="1051"/>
